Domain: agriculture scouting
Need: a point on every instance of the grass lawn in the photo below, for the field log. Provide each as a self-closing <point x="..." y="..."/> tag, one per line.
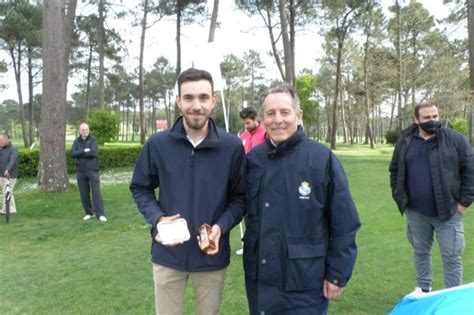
<point x="51" y="262"/>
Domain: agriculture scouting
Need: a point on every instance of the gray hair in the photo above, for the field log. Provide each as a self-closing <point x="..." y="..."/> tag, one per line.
<point x="284" y="88"/>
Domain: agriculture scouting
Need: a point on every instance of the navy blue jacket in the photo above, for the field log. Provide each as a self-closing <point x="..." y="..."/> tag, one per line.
<point x="205" y="184"/>
<point x="9" y="160"/>
<point x="85" y="161"/>
<point x="452" y="171"/>
<point x="301" y="222"/>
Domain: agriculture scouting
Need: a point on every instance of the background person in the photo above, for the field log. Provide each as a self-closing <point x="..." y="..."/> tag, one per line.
<point x="8" y="169"/>
<point x="299" y="243"/>
<point x="254" y="132"/>
<point x="432" y="181"/>
<point x="86" y="152"/>
<point x="200" y="172"/>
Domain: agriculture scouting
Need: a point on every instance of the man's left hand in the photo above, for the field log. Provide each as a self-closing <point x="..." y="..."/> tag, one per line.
<point x="331" y="291"/>
<point x="215" y="236"/>
<point x="6" y="173"/>
<point x="461" y="209"/>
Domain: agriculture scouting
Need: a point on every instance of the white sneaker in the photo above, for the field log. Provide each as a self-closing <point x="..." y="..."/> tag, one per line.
<point x="418" y="292"/>
<point x="87" y="217"/>
<point x="239" y="252"/>
<point x="102" y="219"/>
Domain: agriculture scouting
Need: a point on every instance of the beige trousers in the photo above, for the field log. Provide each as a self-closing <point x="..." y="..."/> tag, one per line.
<point x="170" y="286"/>
<point x="12" y="200"/>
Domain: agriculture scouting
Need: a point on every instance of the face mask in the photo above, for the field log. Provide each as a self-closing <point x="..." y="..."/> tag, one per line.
<point x="430" y="126"/>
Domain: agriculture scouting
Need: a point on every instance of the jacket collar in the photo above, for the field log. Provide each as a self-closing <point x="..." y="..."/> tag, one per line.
<point x="411" y="130"/>
<point x="286" y="145"/>
<point x="212" y="139"/>
<point x="259" y="128"/>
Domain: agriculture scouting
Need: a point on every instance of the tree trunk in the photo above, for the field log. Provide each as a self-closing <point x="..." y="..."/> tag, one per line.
<point x="273" y="43"/>
<point x="88" y="82"/>
<point x="17" y="69"/>
<point x="31" y="133"/>
<point x="292" y="10"/>
<point x="471" y="64"/>
<point x="101" y="44"/>
<point x="370" y="137"/>
<point x="394" y="103"/>
<point x="343" y="114"/>
<point x="289" y="71"/>
<point x="141" y="87"/>
<point x="57" y="30"/>
<point x="212" y="28"/>
<point x="178" y="50"/>
<point x="336" y="95"/>
<point x="399" y="68"/>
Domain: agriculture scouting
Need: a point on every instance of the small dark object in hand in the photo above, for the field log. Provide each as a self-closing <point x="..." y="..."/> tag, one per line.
<point x="205" y="244"/>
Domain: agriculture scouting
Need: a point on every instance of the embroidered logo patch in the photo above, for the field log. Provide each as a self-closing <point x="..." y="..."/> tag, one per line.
<point x="304" y="190"/>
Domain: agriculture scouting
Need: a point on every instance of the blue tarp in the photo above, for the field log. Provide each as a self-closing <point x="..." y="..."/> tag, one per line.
<point x="453" y="301"/>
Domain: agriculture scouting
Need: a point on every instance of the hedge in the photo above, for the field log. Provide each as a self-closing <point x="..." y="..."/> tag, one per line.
<point x="109" y="157"/>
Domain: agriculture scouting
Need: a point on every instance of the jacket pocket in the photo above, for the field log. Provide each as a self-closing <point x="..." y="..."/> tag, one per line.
<point x="250" y="257"/>
<point x="305" y="267"/>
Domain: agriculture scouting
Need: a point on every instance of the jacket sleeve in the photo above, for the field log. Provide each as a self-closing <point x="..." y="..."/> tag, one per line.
<point x="75" y="150"/>
<point x="94" y="152"/>
<point x="343" y="223"/>
<point x="144" y="182"/>
<point x="13" y="161"/>
<point x="467" y="174"/>
<point x="393" y="169"/>
<point x="236" y="201"/>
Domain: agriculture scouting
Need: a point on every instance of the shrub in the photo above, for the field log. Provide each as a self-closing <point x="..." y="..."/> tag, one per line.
<point x="391" y="136"/>
<point x="104" y="125"/>
<point x="109" y="157"/>
<point x="460" y="125"/>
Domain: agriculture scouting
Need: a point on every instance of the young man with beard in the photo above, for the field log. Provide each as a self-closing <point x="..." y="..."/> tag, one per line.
<point x="432" y="181"/>
<point x="254" y="132"/>
<point x="200" y="172"/>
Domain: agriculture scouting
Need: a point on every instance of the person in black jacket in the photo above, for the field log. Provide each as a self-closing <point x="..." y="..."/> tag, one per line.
<point x="432" y="181"/>
<point x="86" y="152"/>
<point x="200" y="172"/>
<point x="8" y="170"/>
<point x="301" y="225"/>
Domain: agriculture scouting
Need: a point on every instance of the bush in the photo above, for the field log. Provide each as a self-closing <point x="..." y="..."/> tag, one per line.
<point x="104" y="125"/>
<point x="460" y="125"/>
<point x="109" y="157"/>
<point x="392" y="136"/>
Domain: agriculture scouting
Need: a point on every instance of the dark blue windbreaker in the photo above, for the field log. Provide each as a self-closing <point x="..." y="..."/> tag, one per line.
<point x="301" y="225"/>
<point x="205" y="184"/>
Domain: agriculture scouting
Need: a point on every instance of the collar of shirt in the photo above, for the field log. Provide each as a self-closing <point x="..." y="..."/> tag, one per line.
<point x="195" y="144"/>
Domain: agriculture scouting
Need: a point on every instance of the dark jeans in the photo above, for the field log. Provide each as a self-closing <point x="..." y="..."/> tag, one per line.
<point x="90" y="181"/>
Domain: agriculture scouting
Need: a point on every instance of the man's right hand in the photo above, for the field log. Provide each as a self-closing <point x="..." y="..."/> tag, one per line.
<point x="168" y="218"/>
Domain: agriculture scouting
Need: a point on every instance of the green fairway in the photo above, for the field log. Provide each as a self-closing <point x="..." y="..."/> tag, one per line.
<point x="51" y="262"/>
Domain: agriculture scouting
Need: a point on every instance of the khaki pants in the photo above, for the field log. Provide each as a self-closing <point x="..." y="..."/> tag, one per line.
<point x="170" y="286"/>
<point x="12" y="200"/>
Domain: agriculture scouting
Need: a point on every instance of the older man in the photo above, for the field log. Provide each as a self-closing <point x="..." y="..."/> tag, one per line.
<point x="86" y="152"/>
<point x="8" y="169"/>
<point x="299" y="245"/>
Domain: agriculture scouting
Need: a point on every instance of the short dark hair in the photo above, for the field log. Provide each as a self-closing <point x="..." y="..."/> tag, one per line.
<point x="193" y="74"/>
<point x="423" y="104"/>
<point x="248" y="112"/>
<point x="284" y="88"/>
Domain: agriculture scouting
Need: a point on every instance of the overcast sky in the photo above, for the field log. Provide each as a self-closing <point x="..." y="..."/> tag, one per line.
<point x="237" y="34"/>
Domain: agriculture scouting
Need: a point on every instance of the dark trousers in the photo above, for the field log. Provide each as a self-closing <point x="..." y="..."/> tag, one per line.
<point x="90" y="181"/>
<point x="270" y="300"/>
